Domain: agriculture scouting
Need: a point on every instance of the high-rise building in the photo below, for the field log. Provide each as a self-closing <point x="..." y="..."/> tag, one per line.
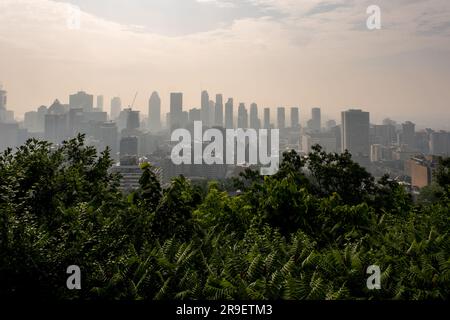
<point x="254" y="120"/>
<point x="355" y="134"/>
<point x="3" y="111"/>
<point x="408" y="134"/>
<point x="315" y="123"/>
<point x="211" y="113"/>
<point x="2" y="98"/>
<point x="267" y="118"/>
<point x="81" y="100"/>
<point x="131" y="118"/>
<point x="176" y="109"/>
<point x="219" y="110"/>
<point x="154" y="112"/>
<point x="242" y="117"/>
<point x="116" y="107"/>
<point x="440" y="143"/>
<point x="229" y="121"/>
<point x="295" y="118"/>
<point x="100" y="101"/>
<point x="205" y="108"/>
<point x="281" y="118"/>
<point x="109" y="137"/>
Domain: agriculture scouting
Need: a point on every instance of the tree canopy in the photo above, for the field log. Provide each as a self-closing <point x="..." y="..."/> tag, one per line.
<point x="308" y="232"/>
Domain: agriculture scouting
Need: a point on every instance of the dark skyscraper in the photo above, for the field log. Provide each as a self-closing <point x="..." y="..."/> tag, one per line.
<point x="2" y="99"/>
<point x="205" y="108"/>
<point x="154" y="112"/>
<point x="267" y="118"/>
<point x="408" y="134"/>
<point x="281" y="118"/>
<point x="82" y="100"/>
<point x="229" y="121"/>
<point x="242" y="117"/>
<point x="295" y="118"/>
<point x="316" y="120"/>
<point x="355" y="134"/>
<point x="219" y="110"/>
<point x="176" y="109"/>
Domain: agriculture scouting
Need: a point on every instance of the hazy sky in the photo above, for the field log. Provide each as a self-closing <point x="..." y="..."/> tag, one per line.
<point x="303" y="53"/>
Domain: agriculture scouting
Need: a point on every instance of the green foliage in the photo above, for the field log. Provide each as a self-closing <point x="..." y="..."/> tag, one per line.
<point x="308" y="232"/>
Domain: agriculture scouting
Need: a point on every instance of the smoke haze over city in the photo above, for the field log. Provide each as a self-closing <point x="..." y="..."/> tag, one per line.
<point x="276" y="53"/>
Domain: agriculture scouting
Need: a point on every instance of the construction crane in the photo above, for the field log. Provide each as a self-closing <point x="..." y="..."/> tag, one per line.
<point x="134" y="100"/>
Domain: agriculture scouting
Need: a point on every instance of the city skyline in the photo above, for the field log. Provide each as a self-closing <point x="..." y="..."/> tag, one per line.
<point x="273" y="53"/>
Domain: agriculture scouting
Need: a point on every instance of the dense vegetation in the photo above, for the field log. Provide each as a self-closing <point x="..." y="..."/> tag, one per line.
<point x="308" y="232"/>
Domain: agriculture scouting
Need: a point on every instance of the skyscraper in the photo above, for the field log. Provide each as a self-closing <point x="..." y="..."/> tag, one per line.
<point x="3" y="111"/>
<point x="154" y="112"/>
<point x="242" y="117"/>
<point x="316" y="120"/>
<point x="408" y="134"/>
<point x="267" y="118"/>
<point x="355" y="134"/>
<point x="205" y="108"/>
<point x="254" y="120"/>
<point x="2" y="98"/>
<point x="281" y="118"/>
<point x="133" y="121"/>
<point x="116" y="107"/>
<point x="229" y="122"/>
<point x="176" y="109"/>
<point x="295" y="118"/>
<point x="212" y="113"/>
<point x="81" y="100"/>
<point x="219" y="110"/>
<point x="100" y="101"/>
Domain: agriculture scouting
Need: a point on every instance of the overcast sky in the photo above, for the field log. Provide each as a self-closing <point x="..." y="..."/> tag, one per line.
<point x="303" y="53"/>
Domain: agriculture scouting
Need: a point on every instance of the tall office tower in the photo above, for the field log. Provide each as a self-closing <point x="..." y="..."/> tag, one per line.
<point x="254" y="120"/>
<point x="205" y="108"/>
<point x="176" y="109"/>
<point x="100" y="101"/>
<point x="212" y="113"/>
<point x="281" y="118"/>
<point x="109" y="137"/>
<point x="408" y="134"/>
<point x="242" y="117"/>
<point x="116" y="107"/>
<point x="229" y="121"/>
<point x="266" y="118"/>
<point x="133" y="121"/>
<point x="154" y="112"/>
<point x="2" y="98"/>
<point x="316" y="120"/>
<point x="219" y="110"/>
<point x="355" y="134"/>
<point x="295" y="118"/>
<point x="3" y="112"/>
<point x="81" y="100"/>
